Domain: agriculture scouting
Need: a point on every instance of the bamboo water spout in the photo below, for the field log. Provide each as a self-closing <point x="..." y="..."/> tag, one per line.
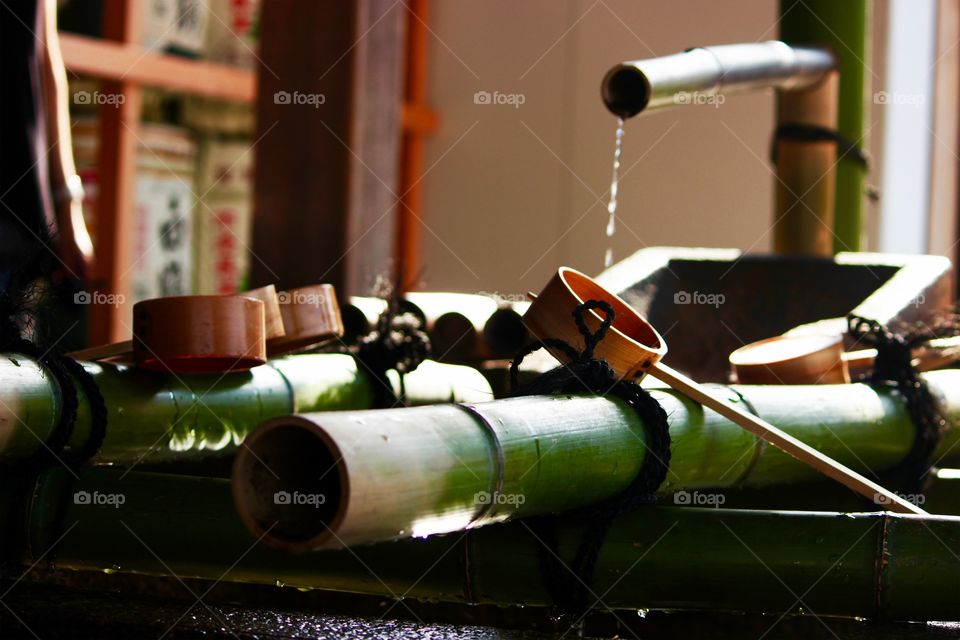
<point x="630" y="88"/>
<point x="808" y="89"/>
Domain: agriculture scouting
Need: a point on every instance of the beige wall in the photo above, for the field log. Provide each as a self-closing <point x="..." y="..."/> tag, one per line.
<point x="512" y="193"/>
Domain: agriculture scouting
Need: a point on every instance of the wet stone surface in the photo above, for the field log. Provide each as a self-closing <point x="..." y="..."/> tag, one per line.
<point x="54" y="612"/>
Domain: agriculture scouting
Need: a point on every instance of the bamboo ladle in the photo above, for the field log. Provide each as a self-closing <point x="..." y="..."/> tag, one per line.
<point x="633" y="348"/>
<point x="820" y="359"/>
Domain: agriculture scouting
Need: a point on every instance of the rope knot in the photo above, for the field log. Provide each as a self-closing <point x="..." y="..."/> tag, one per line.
<point x="894" y="350"/>
<point x="398" y="342"/>
<point x="592" y="338"/>
<point x="893" y="367"/>
<point x="580" y="359"/>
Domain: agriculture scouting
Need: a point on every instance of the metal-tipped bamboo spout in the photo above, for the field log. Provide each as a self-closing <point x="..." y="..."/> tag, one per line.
<point x="808" y="87"/>
<point x="632" y="87"/>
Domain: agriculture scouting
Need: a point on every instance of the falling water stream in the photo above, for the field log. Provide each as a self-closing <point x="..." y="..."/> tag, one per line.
<point x="614" y="187"/>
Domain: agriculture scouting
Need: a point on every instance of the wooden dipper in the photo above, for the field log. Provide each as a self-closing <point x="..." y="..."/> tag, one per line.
<point x="199" y="334"/>
<point x="633" y="348"/>
<point x="311" y="315"/>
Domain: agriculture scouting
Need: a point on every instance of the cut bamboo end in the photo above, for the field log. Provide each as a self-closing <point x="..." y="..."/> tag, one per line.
<point x="290" y="485"/>
<point x="199" y="334"/>
<point x="455" y="337"/>
<point x="504" y="332"/>
<point x="311" y="316"/>
<point x="360" y="315"/>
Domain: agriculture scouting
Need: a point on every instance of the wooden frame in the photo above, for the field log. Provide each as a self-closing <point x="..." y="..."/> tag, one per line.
<point x="125" y="66"/>
<point x="132" y="63"/>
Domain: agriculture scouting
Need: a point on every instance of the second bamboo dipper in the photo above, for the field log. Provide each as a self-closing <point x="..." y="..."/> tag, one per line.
<point x="633" y="348"/>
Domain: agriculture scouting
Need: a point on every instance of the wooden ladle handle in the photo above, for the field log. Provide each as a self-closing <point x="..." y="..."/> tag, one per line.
<point x="785" y="442"/>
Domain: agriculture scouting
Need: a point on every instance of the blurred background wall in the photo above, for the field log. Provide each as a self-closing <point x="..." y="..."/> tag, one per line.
<point x="533" y="179"/>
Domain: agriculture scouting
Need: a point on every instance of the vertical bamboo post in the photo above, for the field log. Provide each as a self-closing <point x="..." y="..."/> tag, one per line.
<point x="842" y="26"/>
<point x="804" y="211"/>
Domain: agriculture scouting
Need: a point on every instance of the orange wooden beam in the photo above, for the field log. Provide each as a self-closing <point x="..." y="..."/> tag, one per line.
<point x="115" y="199"/>
<point x="418" y="120"/>
<point x="131" y="63"/>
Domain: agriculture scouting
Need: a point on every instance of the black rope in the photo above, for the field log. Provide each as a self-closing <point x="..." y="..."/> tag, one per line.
<point x="67" y="373"/>
<point x="811" y="133"/>
<point x="98" y="413"/>
<point x="398" y="342"/>
<point x="568" y="584"/>
<point x="22" y="311"/>
<point x="893" y="368"/>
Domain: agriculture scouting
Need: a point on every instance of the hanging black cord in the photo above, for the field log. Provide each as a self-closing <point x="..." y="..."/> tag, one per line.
<point x="98" y="413"/>
<point x="67" y="373"/>
<point x="893" y="368"/>
<point x="568" y="584"/>
<point x="846" y="148"/>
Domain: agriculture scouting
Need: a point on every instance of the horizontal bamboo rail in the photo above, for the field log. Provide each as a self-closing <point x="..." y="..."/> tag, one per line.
<point x="157" y="417"/>
<point x="401" y="473"/>
<point x="865" y="564"/>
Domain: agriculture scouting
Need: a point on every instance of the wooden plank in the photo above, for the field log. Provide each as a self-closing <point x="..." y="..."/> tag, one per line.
<point x="375" y="140"/>
<point x="115" y="200"/>
<point x="418" y="120"/>
<point x="944" y="163"/>
<point x="315" y="162"/>
<point x="131" y="63"/>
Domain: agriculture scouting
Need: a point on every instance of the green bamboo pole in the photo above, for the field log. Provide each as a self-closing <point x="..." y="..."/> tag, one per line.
<point x="842" y="26"/>
<point x="867" y="565"/>
<point x="365" y="477"/>
<point x="356" y="477"/>
<point x="156" y="417"/>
